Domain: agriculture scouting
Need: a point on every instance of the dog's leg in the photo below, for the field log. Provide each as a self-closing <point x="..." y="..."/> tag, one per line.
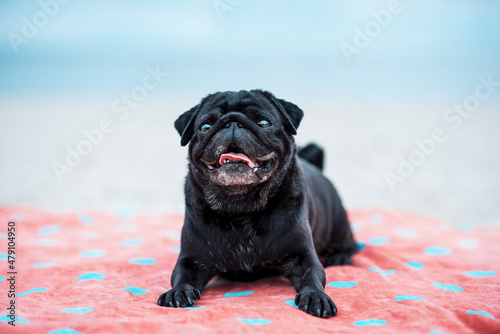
<point x="188" y="281"/>
<point x="308" y="277"/>
<point x="340" y="245"/>
<point x="342" y="256"/>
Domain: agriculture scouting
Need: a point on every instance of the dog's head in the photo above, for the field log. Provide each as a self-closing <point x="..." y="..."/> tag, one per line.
<point x="240" y="144"/>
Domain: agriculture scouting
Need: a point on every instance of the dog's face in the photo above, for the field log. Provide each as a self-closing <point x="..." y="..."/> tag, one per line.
<point x="240" y="142"/>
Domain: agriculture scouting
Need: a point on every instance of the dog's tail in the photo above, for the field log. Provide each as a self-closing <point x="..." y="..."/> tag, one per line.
<point x="313" y="154"/>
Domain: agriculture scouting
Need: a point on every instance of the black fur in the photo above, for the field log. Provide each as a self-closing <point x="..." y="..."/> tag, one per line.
<point x="313" y="154"/>
<point x="281" y="217"/>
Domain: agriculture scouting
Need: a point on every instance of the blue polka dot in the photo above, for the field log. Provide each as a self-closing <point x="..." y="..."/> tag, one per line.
<point x="376" y="218"/>
<point x="383" y="272"/>
<point x="4" y="256"/>
<point x="407" y="233"/>
<point x="468" y="243"/>
<point x="465" y="227"/>
<point x="65" y="331"/>
<point x="486" y="314"/>
<point x="238" y="294"/>
<point x="2" y="278"/>
<point x="356" y="227"/>
<point x="88" y="235"/>
<point x="91" y="276"/>
<point x="5" y="318"/>
<point x="18" y="216"/>
<point x="194" y="307"/>
<point x="448" y="287"/>
<point x="135" y="291"/>
<point x="379" y="240"/>
<point x="171" y="234"/>
<point x="142" y="260"/>
<point x="254" y="322"/>
<point x="131" y="242"/>
<point x="479" y="273"/>
<point x="175" y="249"/>
<point x="416" y="265"/>
<point x="342" y="284"/>
<point x="49" y="230"/>
<point x="126" y="214"/>
<point x="360" y="245"/>
<point x="407" y="297"/>
<point x="370" y="322"/>
<point x="32" y="291"/>
<point x="78" y="310"/>
<point x="438" y="250"/>
<point x="46" y="242"/>
<point x="44" y="264"/>
<point x="126" y="227"/>
<point x="92" y="253"/>
<point x="437" y="332"/>
<point x="291" y="302"/>
<point x="87" y="220"/>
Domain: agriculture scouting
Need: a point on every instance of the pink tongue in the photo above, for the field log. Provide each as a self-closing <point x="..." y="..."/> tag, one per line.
<point x="236" y="157"/>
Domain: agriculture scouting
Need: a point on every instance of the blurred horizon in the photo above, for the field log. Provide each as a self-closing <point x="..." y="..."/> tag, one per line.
<point x="428" y="49"/>
<point x="374" y="78"/>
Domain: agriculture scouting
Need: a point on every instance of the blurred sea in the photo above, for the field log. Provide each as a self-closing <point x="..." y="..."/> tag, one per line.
<point x="428" y="50"/>
<point x="375" y="78"/>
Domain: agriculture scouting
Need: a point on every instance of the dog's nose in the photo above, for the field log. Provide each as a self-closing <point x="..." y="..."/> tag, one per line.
<point x="236" y="124"/>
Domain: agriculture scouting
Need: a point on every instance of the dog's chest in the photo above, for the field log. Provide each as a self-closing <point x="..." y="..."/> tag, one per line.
<point x="238" y="254"/>
<point x="235" y="252"/>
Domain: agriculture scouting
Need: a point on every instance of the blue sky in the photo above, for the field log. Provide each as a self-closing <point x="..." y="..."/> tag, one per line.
<point x="429" y="49"/>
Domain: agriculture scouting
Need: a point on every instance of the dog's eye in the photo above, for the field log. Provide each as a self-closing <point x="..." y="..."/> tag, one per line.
<point x="264" y="124"/>
<point x="205" y="127"/>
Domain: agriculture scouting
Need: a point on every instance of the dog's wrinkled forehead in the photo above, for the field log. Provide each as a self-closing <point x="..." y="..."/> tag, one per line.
<point x="237" y="101"/>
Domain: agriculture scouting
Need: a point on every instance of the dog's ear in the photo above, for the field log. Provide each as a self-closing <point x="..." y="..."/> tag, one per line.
<point x="184" y="124"/>
<point x="291" y="112"/>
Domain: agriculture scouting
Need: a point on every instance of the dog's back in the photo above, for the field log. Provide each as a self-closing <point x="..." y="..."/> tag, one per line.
<point x="328" y="219"/>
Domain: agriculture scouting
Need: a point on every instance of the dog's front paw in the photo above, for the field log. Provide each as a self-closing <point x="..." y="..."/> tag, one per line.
<point x="316" y="303"/>
<point x="181" y="296"/>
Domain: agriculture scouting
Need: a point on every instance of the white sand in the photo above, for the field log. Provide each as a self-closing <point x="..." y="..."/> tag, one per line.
<point x="140" y="166"/>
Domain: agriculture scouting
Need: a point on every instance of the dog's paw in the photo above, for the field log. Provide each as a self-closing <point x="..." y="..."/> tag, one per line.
<point x="316" y="303"/>
<point x="181" y="296"/>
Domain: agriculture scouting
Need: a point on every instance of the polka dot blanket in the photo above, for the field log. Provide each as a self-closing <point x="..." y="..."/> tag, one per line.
<point x="102" y="273"/>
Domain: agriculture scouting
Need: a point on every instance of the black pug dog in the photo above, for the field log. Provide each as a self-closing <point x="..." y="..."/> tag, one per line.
<point x="255" y="205"/>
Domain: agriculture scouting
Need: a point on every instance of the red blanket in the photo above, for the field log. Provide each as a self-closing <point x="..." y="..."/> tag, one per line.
<point x="101" y="273"/>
